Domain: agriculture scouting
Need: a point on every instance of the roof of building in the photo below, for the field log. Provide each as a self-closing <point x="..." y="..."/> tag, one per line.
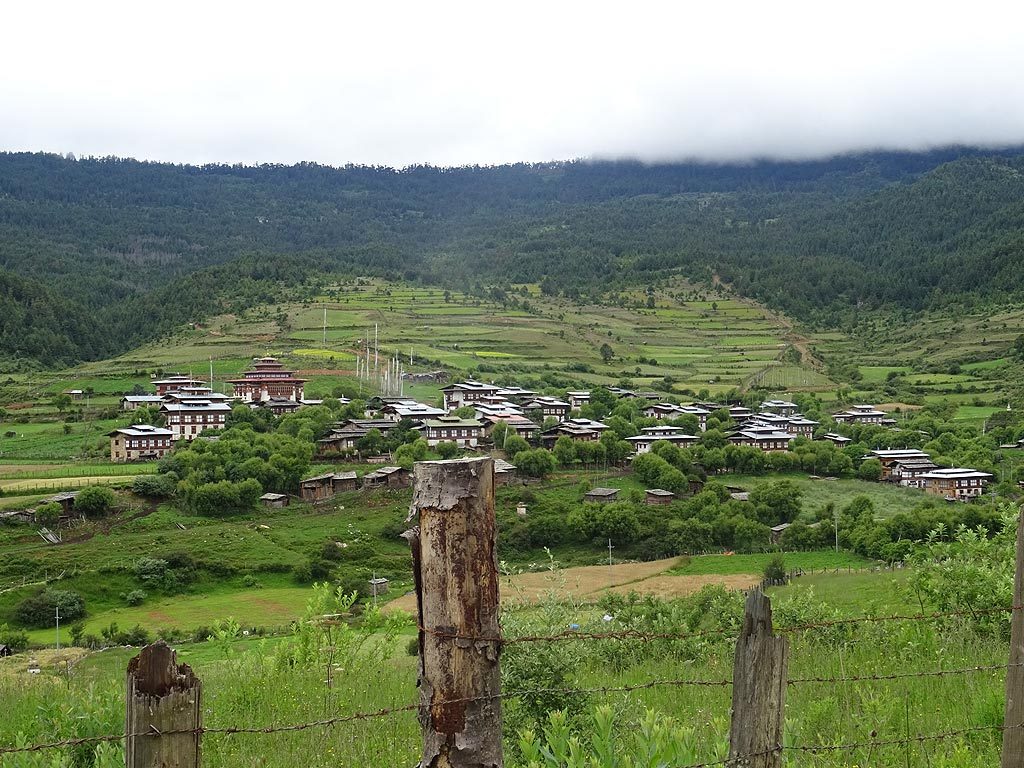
<point x="602" y="492"/>
<point x="780" y="527"/>
<point x="451" y="421"/>
<point x="837" y="438"/>
<point x="273" y="496"/>
<point x="143" y="398"/>
<point x="758" y="435"/>
<point x="778" y="404"/>
<point x="346" y="476"/>
<point x="141" y="430"/>
<point x="955" y="473"/>
<point x="319" y="478"/>
<point x="895" y="453"/>
<point x="673" y="438"/>
<point x="195" y="405"/>
<point x="500" y="465"/>
<point x="659" y="492"/>
<point x="587" y="424"/>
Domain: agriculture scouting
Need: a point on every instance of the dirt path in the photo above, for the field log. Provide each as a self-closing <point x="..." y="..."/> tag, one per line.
<point x="587" y="583"/>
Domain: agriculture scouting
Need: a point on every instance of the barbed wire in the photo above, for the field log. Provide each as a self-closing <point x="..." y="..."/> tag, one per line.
<point x="389" y="711"/>
<point x="635" y="634"/>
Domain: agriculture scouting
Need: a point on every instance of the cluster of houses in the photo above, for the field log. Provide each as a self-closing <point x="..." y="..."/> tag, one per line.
<point x="189" y="407"/>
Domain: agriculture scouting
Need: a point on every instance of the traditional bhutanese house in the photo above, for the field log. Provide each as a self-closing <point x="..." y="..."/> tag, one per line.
<point x="890" y="456"/>
<point x="795" y="424"/>
<point x="626" y="394"/>
<point x="466" y="393"/>
<point x="739" y="412"/>
<point x="585" y="430"/>
<point x="465" y="433"/>
<point x="956" y="483"/>
<point x="274" y="500"/>
<point x="577" y="398"/>
<point x="345" y="481"/>
<point x="317" y="488"/>
<point x="140" y="442"/>
<point x="910" y="472"/>
<point x="781" y="407"/>
<point x="649" y="435"/>
<point x="548" y="407"/>
<point x="344" y="436"/>
<point x="74" y="394"/>
<point x="516" y="394"/>
<point x="860" y="414"/>
<point x="601" y="495"/>
<point x="663" y="411"/>
<point x="266" y="380"/>
<point x="279" y="406"/>
<point x="388" y="477"/>
<point x="174" y="383"/>
<point x="504" y="472"/>
<point x="767" y="439"/>
<point x="481" y="411"/>
<point x="649" y="396"/>
<point x="182" y="396"/>
<point x="132" y="402"/>
<point x="188" y="419"/>
<point x="837" y="439"/>
<point x="777" y="531"/>
<point x="412" y="410"/>
<point x="519" y="425"/>
<point x="658" y="496"/>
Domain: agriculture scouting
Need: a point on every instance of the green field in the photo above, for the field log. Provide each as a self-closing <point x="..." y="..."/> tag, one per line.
<point x="887" y="499"/>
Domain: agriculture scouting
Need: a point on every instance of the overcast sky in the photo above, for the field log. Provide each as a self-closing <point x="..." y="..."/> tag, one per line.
<point x="455" y="83"/>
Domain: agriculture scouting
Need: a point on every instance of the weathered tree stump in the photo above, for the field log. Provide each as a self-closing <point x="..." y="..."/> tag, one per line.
<point x="758" y="689"/>
<point x="456" y="571"/>
<point x="164" y="697"/>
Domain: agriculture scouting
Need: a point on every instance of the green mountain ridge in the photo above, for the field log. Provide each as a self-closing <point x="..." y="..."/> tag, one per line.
<point x="99" y="255"/>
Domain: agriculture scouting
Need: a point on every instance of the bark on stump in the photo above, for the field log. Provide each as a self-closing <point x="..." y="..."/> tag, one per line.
<point x="163" y="696"/>
<point x="1013" y="721"/>
<point x="456" y="571"/>
<point x="758" y="689"/>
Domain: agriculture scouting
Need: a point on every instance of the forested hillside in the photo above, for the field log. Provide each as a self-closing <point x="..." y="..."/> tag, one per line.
<point x="98" y="255"/>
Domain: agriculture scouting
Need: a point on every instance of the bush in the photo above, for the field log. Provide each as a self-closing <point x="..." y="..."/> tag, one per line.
<point x="14" y="639"/>
<point x="94" y="501"/>
<point x="39" y="609"/>
<point x="154" y="486"/>
<point x="48" y="514"/>
<point x="135" y="597"/>
<point x="775" y="570"/>
<point x="251" y="581"/>
<point x="150" y="570"/>
<point x="447" y="450"/>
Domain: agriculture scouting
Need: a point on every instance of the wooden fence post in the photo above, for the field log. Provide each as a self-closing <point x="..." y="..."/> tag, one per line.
<point x="455" y="566"/>
<point x="758" y="689"/>
<point x="1013" y="719"/>
<point x="162" y="696"/>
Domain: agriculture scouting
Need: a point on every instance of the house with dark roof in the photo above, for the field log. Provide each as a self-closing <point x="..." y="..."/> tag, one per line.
<point x="140" y="442"/>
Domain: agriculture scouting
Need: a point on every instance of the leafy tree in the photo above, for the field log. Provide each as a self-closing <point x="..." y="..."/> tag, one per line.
<point x="48" y="514"/>
<point x="408" y="454"/>
<point x="565" y="451"/>
<point x="94" y="501"/>
<point x="607" y="353"/>
<point x="372" y="443"/>
<point x="870" y="469"/>
<point x="514" y="444"/>
<point x="448" y="449"/>
<point x="537" y="463"/>
<point x="39" y="610"/>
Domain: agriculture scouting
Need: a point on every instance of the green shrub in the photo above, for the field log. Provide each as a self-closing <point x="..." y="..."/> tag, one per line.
<point x="94" y="501"/>
<point x="775" y="569"/>
<point x="14" y="639"/>
<point x="39" y="610"/>
<point x="154" y="486"/>
<point x="135" y="597"/>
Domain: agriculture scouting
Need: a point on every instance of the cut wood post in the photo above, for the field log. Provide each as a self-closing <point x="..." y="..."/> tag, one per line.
<point x="164" y="697"/>
<point x="1013" y="719"/>
<point x="758" y="689"/>
<point x="455" y="565"/>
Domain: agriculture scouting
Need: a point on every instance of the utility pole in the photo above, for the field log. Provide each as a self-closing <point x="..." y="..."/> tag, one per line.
<point x="325" y="326"/>
<point x="835" y="520"/>
<point x="58" y="628"/>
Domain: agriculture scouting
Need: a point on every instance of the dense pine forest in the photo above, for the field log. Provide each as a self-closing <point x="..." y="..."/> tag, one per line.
<point x="100" y="254"/>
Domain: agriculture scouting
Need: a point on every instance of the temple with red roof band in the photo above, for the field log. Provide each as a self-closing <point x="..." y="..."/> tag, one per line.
<point x="268" y="380"/>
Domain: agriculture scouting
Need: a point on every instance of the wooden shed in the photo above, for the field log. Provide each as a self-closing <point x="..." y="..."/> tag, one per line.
<point x="504" y="472"/>
<point x="388" y="477"/>
<point x="317" y="488"/>
<point x="274" y="500"/>
<point x="656" y="496"/>
<point x="601" y="495"/>
<point x="345" y="481"/>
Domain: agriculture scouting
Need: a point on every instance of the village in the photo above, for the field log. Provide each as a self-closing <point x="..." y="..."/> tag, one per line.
<point x="466" y="418"/>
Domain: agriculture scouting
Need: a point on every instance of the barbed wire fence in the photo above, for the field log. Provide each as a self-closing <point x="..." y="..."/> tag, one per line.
<point x="460" y="645"/>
